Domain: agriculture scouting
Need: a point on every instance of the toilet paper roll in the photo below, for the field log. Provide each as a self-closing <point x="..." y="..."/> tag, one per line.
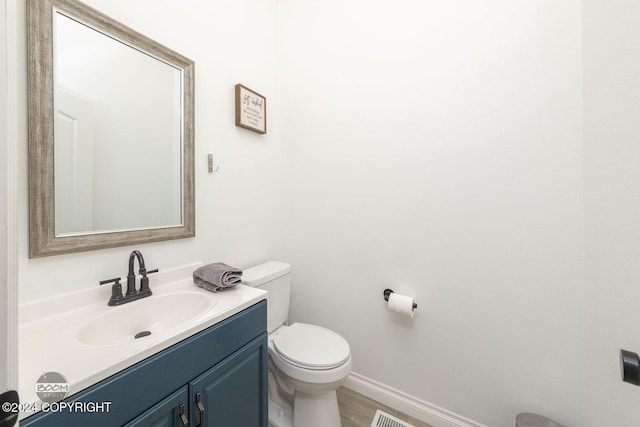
<point x="401" y="304"/>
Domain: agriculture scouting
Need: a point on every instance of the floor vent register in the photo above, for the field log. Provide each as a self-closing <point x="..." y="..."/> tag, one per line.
<point x="382" y="419"/>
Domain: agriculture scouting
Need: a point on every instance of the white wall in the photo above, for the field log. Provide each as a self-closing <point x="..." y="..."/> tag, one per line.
<point x="612" y="201"/>
<point x="3" y="197"/>
<point x="10" y="110"/>
<point x="238" y="212"/>
<point x="435" y="148"/>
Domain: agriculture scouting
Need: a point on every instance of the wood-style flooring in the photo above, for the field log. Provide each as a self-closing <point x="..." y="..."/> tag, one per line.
<point x="357" y="410"/>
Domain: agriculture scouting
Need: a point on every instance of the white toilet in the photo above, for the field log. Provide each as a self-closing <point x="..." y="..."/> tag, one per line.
<point x="307" y="363"/>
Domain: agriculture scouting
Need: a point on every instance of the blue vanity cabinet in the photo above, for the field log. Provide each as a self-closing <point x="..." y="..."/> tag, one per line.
<point x="219" y="375"/>
<point x="229" y="394"/>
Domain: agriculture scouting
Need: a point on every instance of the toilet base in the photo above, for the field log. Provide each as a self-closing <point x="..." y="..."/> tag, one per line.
<point x="310" y="410"/>
<point x="279" y="416"/>
<point x="316" y="410"/>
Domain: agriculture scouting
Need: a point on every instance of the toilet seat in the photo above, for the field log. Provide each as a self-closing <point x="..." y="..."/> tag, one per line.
<point x="311" y="347"/>
<point x="324" y="367"/>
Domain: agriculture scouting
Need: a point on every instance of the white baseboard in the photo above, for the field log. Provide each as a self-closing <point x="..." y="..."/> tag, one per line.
<point x="409" y="405"/>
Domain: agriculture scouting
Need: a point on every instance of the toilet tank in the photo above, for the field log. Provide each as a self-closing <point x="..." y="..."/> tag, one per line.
<point x="275" y="278"/>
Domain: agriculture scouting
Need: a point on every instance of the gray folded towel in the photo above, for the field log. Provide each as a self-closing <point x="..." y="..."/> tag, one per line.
<point x="216" y="276"/>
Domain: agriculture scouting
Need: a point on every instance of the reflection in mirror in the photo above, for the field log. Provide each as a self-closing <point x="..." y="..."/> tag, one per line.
<point x="117" y="134"/>
<point x="110" y="133"/>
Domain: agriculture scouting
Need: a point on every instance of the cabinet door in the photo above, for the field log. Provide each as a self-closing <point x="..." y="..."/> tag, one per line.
<point x="234" y="392"/>
<point x="169" y="412"/>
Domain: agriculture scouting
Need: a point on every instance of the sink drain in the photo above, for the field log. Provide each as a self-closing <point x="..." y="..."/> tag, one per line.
<point x="142" y="334"/>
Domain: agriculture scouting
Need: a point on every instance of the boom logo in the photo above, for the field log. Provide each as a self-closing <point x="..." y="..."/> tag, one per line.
<point x="52" y="387"/>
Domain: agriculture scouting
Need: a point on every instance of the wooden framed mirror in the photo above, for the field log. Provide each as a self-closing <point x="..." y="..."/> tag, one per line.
<point x="111" y="133"/>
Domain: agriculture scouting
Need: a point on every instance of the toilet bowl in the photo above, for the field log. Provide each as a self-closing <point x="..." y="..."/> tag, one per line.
<point x="307" y="363"/>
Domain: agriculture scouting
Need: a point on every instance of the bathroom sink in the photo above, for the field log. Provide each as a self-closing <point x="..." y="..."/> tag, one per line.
<point x="79" y="336"/>
<point x="142" y="318"/>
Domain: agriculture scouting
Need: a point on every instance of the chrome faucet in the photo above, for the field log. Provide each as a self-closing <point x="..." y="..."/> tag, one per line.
<point x="132" y="294"/>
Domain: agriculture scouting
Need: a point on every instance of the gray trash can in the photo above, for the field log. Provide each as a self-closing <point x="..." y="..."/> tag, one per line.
<point x="527" y="419"/>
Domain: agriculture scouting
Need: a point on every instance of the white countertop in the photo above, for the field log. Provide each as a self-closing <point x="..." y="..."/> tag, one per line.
<point x="49" y="333"/>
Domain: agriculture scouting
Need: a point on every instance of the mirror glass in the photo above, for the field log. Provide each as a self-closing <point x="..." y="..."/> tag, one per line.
<point x="110" y="133"/>
<point x="118" y="150"/>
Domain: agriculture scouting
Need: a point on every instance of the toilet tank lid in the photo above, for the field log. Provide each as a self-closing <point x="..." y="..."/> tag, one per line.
<point x="263" y="273"/>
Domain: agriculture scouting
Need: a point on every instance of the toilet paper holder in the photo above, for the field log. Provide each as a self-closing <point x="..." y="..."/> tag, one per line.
<point x="388" y="292"/>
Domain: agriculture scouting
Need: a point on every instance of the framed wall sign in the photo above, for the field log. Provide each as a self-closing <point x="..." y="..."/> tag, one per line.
<point x="251" y="109"/>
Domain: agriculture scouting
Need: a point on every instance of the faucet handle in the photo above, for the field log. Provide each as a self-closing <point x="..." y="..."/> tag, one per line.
<point x="116" y="290"/>
<point x="144" y="282"/>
